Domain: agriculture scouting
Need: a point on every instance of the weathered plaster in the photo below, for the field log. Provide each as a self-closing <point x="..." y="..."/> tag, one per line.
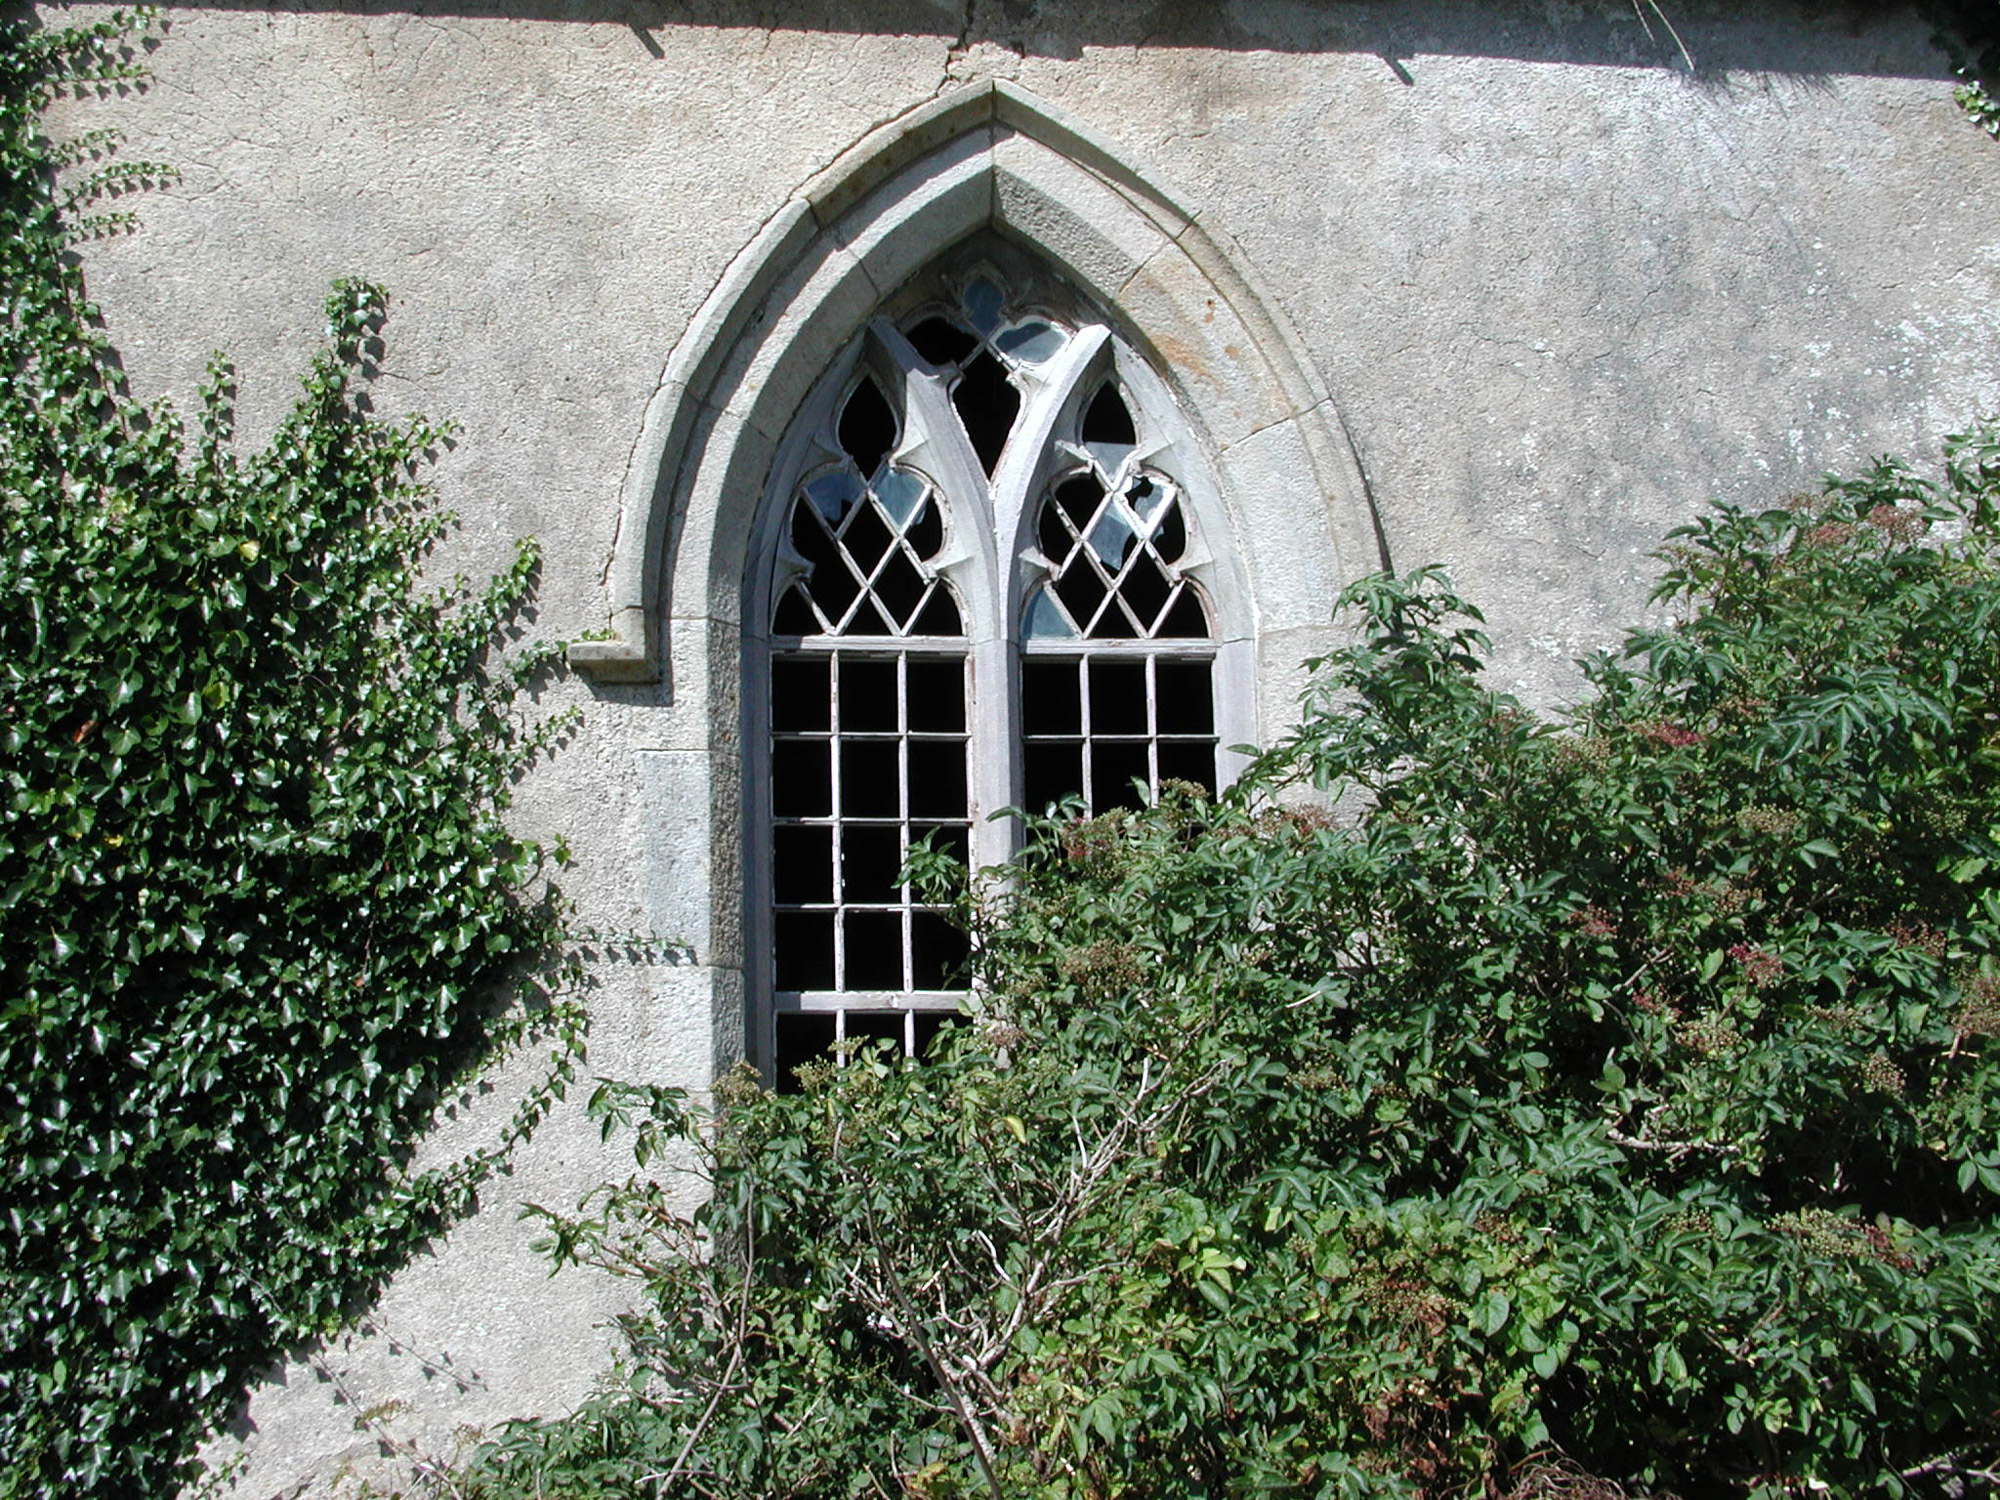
<point x="1499" y="276"/>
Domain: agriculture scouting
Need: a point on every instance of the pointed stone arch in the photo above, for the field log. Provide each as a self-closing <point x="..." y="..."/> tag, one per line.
<point x="986" y="158"/>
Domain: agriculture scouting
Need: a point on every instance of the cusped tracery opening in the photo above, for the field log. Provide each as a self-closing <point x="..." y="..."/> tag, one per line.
<point x="1112" y="531"/>
<point x="867" y="532"/>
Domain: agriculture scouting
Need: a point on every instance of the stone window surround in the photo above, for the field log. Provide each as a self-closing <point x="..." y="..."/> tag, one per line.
<point x="1283" y="499"/>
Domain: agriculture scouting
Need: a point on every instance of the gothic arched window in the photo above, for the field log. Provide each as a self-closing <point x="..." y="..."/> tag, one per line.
<point x="978" y="589"/>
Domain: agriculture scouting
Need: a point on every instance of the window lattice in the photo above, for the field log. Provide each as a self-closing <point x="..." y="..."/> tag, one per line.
<point x="877" y="728"/>
<point x="1113" y="531"/>
<point x="866" y="530"/>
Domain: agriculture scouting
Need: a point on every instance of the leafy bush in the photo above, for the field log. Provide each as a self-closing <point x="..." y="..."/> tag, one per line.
<point x="1591" y="1104"/>
<point x="257" y="905"/>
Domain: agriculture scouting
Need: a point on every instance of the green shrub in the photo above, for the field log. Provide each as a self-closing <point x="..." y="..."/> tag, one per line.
<point x="259" y="914"/>
<point x="1588" y="1103"/>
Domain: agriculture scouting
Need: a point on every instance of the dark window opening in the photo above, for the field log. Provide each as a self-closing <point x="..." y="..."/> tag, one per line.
<point x="941" y="342"/>
<point x="867" y="428"/>
<point x="987" y="404"/>
<point x="1105" y="420"/>
<point x="1110" y="729"/>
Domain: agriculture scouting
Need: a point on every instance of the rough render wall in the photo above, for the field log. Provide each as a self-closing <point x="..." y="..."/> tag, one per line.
<point x="1561" y="290"/>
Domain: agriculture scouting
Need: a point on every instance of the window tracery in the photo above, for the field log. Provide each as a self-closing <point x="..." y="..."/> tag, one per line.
<point x="980" y="594"/>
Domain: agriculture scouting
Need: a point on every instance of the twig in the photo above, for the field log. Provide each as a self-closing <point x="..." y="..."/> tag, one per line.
<point x="913" y="1325"/>
<point x="429" y="1470"/>
<point x="1639" y="10"/>
<point x="724" y="1385"/>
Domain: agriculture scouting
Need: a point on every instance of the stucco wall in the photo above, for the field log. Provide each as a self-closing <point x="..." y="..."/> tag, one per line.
<point x="1558" y="289"/>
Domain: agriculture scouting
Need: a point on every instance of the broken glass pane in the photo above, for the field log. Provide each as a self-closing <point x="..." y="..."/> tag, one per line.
<point x="1032" y="343"/>
<point x="1046" y="622"/>
<point x="832" y="492"/>
<point x="1147" y="498"/>
<point x="983" y="302"/>
<point x="1170" y="535"/>
<point x="1111" y="538"/>
<point x="900" y="492"/>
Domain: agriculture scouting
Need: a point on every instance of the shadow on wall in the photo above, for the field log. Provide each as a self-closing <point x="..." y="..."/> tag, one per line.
<point x="1794" y="37"/>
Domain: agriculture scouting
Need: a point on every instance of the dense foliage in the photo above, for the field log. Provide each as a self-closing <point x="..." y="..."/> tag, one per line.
<point x="1584" y="1105"/>
<point x="257" y="907"/>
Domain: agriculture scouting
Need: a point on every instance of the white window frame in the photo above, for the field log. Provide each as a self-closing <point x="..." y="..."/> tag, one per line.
<point x="991" y="560"/>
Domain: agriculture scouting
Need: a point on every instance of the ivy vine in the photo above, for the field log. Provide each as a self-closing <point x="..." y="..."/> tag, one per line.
<point x="260" y="912"/>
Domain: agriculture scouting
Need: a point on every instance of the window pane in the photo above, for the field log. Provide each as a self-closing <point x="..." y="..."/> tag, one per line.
<point x="867" y="695"/>
<point x="801" y="694"/>
<point x="874" y="950"/>
<point x="804" y="949"/>
<point x="802" y="1038"/>
<point x="1114" y="766"/>
<point x="1189" y="760"/>
<point x="870" y="856"/>
<point x="937" y="778"/>
<point x="987" y="405"/>
<point x="930" y="1026"/>
<point x="1054" y="770"/>
<point x="942" y="342"/>
<point x="870" y="778"/>
<point x="801" y="778"/>
<point x="937" y="696"/>
<point x="801" y="863"/>
<point x="1117" y="697"/>
<point x="867" y="427"/>
<point x="1051" y="702"/>
<point x="951" y="838"/>
<point x="939" y="616"/>
<point x="1186" y="702"/>
<point x="876" y="1026"/>
<point x="937" y="952"/>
